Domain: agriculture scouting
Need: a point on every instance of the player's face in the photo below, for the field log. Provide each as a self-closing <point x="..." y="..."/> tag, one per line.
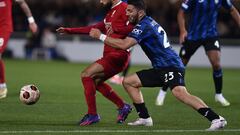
<point x="132" y="14"/>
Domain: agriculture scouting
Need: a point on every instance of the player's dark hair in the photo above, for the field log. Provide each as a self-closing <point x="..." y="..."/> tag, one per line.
<point x="139" y="4"/>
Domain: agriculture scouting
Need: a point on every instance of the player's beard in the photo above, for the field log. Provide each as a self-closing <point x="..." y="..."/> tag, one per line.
<point x="133" y="19"/>
<point x="107" y="7"/>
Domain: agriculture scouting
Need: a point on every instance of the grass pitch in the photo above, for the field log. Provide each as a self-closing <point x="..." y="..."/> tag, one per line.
<point x="62" y="103"/>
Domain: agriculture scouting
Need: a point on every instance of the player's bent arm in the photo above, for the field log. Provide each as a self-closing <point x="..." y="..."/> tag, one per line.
<point x="235" y="14"/>
<point x="123" y="44"/>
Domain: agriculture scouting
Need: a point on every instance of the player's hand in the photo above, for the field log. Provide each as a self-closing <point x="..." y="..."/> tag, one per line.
<point x="33" y="27"/>
<point x="182" y="36"/>
<point x="61" y="31"/>
<point x="95" y="33"/>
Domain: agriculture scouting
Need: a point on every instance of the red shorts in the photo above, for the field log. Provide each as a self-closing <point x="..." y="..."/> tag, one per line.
<point x="4" y="37"/>
<point x="114" y="63"/>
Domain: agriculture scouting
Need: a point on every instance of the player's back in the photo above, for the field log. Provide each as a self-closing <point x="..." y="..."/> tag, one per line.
<point x="6" y="15"/>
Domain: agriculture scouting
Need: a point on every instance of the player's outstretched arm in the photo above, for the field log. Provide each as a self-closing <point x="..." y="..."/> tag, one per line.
<point x="181" y="24"/>
<point x="235" y="14"/>
<point x="124" y="44"/>
<point x="32" y="25"/>
<point x="80" y="30"/>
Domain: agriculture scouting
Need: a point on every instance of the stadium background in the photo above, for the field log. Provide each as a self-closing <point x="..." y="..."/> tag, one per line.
<point x="62" y="101"/>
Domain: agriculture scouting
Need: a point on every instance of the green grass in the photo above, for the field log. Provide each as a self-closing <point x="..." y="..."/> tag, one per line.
<point x="62" y="102"/>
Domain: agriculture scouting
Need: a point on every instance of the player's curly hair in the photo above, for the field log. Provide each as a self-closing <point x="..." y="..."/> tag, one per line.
<point x="139" y="4"/>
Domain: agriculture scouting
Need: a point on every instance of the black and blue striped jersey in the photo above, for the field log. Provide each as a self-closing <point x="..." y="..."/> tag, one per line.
<point x="154" y="42"/>
<point x="203" y="17"/>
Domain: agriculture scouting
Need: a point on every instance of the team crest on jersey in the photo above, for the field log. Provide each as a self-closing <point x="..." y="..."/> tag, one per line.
<point x="2" y="4"/>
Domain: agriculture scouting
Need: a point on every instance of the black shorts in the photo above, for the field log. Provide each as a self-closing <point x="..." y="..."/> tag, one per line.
<point x="189" y="47"/>
<point x="170" y="77"/>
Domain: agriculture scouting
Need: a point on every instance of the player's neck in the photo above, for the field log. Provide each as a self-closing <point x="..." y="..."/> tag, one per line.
<point x="115" y="3"/>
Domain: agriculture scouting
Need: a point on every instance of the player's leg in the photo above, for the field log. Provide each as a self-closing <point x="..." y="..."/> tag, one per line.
<point x="161" y="96"/>
<point x="217" y="122"/>
<point x="132" y="84"/>
<point x="179" y="90"/>
<point x="88" y="81"/>
<point x="4" y="36"/>
<point x="213" y="52"/>
<point x="110" y="69"/>
<point x="117" y="79"/>
<point x="187" y="50"/>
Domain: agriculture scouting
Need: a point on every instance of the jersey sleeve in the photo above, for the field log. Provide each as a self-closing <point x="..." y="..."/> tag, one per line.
<point x="187" y="5"/>
<point x="138" y="33"/>
<point x="85" y="30"/>
<point x="227" y="4"/>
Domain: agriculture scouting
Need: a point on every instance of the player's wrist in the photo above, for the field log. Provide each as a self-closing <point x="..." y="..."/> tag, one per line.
<point x="31" y="19"/>
<point x="102" y="37"/>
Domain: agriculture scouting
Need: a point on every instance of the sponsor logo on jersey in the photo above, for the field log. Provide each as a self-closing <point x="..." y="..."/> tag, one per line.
<point x="216" y="1"/>
<point x="137" y="31"/>
<point x="200" y="1"/>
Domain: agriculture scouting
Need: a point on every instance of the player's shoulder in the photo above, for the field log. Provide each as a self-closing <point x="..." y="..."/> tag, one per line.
<point x="122" y="6"/>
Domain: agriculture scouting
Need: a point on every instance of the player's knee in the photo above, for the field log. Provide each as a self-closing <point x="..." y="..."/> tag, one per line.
<point x="84" y="74"/>
<point x="179" y="92"/>
<point x="216" y="66"/>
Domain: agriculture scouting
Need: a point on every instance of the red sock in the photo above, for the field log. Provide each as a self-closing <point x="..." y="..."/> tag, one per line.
<point x="2" y="72"/>
<point x="108" y="92"/>
<point x="90" y="94"/>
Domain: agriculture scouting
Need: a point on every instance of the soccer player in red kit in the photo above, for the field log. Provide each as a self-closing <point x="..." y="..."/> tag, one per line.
<point x="6" y="29"/>
<point x="115" y="24"/>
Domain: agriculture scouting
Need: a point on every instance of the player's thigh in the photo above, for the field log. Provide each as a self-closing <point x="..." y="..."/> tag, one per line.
<point x="213" y="51"/>
<point x="94" y="70"/>
<point x="132" y="80"/>
<point x="113" y="64"/>
<point x="188" y="49"/>
<point x="150" y="78"/>
<point x="4" y="37"/>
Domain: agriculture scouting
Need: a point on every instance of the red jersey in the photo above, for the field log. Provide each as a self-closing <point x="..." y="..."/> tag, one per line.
<point x="6" y="15"/>
<point x="116" y="19"/>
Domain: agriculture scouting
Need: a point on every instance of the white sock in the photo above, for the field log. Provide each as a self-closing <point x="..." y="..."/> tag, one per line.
<point x="161" y="93"/>
<point x="3" y="85"/>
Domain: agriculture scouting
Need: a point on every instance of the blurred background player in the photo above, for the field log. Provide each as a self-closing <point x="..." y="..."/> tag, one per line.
<point x="6" y="29"/>
<point x="168" y="68"/>
<point x="113" y="61"/>
<point x="202" y="30"/>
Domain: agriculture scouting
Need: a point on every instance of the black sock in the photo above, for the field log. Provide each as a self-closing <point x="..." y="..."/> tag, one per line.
<point x="141" y="110"/>
<point x="208" y="113"/>
<point x="217" y="77"/>
<point x="164" y="88"/>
